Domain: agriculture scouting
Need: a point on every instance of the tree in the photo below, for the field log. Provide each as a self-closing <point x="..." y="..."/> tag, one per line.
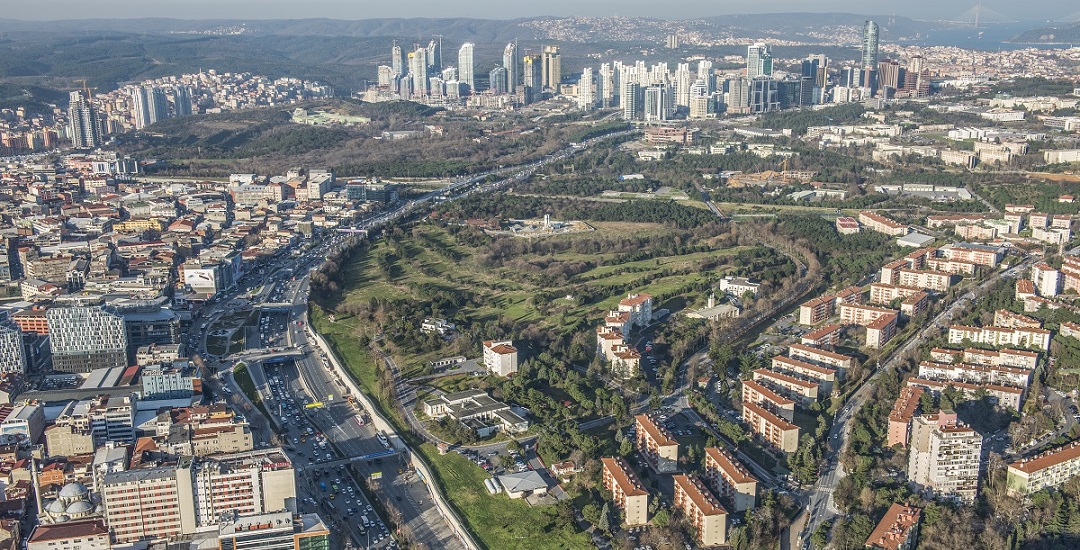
<point x="662" y="518"/>
<point x="513" y="446"/>
<point x="605" y="519"/>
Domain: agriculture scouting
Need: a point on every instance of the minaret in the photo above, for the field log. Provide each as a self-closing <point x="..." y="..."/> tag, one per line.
<point x="36" y="486"/>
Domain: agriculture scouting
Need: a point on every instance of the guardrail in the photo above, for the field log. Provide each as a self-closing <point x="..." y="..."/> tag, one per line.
<point x="382" y="424"/>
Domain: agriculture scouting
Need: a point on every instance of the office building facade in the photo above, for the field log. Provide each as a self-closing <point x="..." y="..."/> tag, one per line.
<point x="85" y="338"/>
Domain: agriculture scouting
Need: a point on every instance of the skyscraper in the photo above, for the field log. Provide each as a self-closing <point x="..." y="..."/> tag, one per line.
<point x="140" y="102"/>
<point x="889" y="78"/>
<point x="182" y="101"/>
<point x="418" y="68"/>
<point x="465" y="66"/>
<point x="552" y="61"/>
<point x="497" y="79"/>
<point x="586" y="98"/>
<point x="159" y="105"/>
<point x="683" y="80"/>
<point x="533" y="78"/>
<point x="630" y="99"/>
<point x="605" y="86"/>
<point x="512" y="66"/>
<point x="12" y="353"/>
<point x="84" y="127"/>
<point x="658" y="103"/>
<point x="434" y="56"/>
<point x="84" y="338"/>
<point x="869" y="54"/>
<point x="398" y="61"/>
<point x="758" y="60"/>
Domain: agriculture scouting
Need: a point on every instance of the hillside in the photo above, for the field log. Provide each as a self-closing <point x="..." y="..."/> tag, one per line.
<point x="1064" y="34"/>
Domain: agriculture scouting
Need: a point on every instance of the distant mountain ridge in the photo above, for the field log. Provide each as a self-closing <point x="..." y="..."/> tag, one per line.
<point x="1068" y="33"/>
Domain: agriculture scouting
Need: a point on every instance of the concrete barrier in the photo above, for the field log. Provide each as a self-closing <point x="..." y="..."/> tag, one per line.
<point x="381" y="424"/>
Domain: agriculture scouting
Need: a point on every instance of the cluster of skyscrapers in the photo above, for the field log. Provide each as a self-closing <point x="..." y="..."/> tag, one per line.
<point x="656" y="93"/>
<point x="421" y="74"/>
<point x="152" y="103"/>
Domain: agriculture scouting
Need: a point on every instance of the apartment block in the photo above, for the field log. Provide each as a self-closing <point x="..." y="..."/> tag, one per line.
<point x="846" y="225"/>
<point x="897" y="530"/>
<point x="933" y="280"/>
<point x="882" y="224"/>
<point x="731" y="480"/>
<point x="980" y="254"/>
<point x="975" y="374"/>
<point x="824" y="376"/>
<point x="774" y="430"/>
<point x="854" y="314"/>
<point x="804" y="392"/>
<point x="1037" y="338"/>
<point x="816" y="310"/>
<point x="945" y="456"/>
<point x="947" y="220"/>
<point x="1008" y="319"/>
<point x="275" y="530"/>
<point x="639" y="306"/>
<point x="1050" y="469"/>
<point x="88" y="534"/>
<point x="955" y="267"/>
<point x="701" y="509"/>
<point x="902" y="413"/>
<point x="627" y="491"/>
<point x="879" y="332"/>
<point x="915" y="304"/>
<point x="828" y="335"/>
<point x="842" y="363"/>
<point x="1006" y="396"/>
<point x="656" y="445"/>
<point x="1069" y="329"/>
<point x="884" y="293"/>
<point x="890" y="272"/>
<point x="1048" y="281"/>
<point x="1006" y="357"/>
<point x="501" y="358"/>
<point x="755" y="392"/>
<point x="1070" y="271"/>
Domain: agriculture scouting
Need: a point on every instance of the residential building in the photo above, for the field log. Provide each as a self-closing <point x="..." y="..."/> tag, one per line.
<point x="1048" y="280"/>
<point x="915" y="304"/>
<point x="731" y="480"/>
<point x="846" y="225"/>
<point x="903" y="411"/>
<point x="945" y="456"/>
<point x="856" y="314"/>
<point x="90" y="534"/>
<point x="816" y="310"/>
<point x="739" y="286"/>
<point x="825" y="377"/>
<point x="1007" y="397"/>
<point x="885" y="293"/>
<point x="627" y="491"/>
<point x="981" y="254"/>
<point x="756" y="392"/>
<point x="897" y="530"/>
<point x="656" y="445"/>
<point x="804" y="392"/>
<point x="84" y="338"/>
<point x="1047" y="470"/>
<point x="1037" y="338"/>
<point x="828" y="335"/>
<point x="552" y="68"/>
<point x="501" y="358"/>
<point x="879" y="332"/>
<point x="277" y="530"/>
<point x="883" y="224"/>
<point x="701" y="509"/>
<point x="775" y="431"/>
<point x="1007" y="319"/>
<point x="168" y="381"/>
<point x="919" y="278"/>
<point x="640" y="308"/>
<point x="838" y="361"/>
<point x="12" y="352"/>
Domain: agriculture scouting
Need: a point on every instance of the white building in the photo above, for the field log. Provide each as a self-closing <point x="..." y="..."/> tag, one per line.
<point x="946" y="456"/>
<point x="500" y="358"/>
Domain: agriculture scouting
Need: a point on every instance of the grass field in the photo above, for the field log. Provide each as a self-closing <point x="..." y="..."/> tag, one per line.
<point x="243" y="379"/>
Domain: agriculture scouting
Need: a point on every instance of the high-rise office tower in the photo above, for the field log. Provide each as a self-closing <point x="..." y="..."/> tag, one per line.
<point x="82" y="116"/>
<point x="532" y="78"/>
<point x="869" y="54"/>
<point x="822" y="68"/>
<point x="605" y="86"/>
<point x="917" y="79"/>
<point x="701" y="101"/>
<point x="764" y="95"/>
<point x="758" y="60"/>
<point x="398" y="60"/>
<point x="434" y="56"/>
<point x="84" y="338"/>
<point x="497" y="79"/>
<point x="658" y="103"/>
<point x="888" y="79"/>
<point x="465" y="66"/>
<point x="552" y="64"/>
<point x="586" y="98"/>
<point x="418" y="68"/>
<point x="182" y="101"/>
<point x="512" y="66"/>
<point x="705" y="72"/>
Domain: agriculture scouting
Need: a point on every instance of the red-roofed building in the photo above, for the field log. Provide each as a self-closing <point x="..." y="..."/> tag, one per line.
<point x="898" y="530"/>
<point x="627" y="491"/>
<point x="731" y="480"/>
<point x="656" y="445"/>
<point x="701" y="510"/>
<point x="1050" y="469"/>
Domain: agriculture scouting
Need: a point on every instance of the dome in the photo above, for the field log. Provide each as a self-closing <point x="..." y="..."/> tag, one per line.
<point x="79" y="507"/>
<point x="73" y="490"/>
<point x="55" y="507"/>
<point x="62" y="519"/>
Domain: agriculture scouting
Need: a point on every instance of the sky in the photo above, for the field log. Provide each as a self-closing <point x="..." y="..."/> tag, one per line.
<point x="507" y="9"/>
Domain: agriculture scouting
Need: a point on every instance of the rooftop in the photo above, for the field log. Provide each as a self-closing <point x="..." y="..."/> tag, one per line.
<point x="893" y="529"/>
<point x="701" y="497"/>
<point x="624" y="477"/>
<point x="658" y="433"/>
<point x="732" y="467"/>
<point x="1050" y="458"/>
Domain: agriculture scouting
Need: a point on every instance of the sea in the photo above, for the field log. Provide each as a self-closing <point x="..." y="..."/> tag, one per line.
<point x="988" y="36"/>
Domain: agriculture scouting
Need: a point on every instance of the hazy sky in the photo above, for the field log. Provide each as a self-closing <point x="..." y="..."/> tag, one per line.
<point x="504" y="9"/>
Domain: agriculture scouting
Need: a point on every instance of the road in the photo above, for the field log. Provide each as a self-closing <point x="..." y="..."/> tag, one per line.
<point x="818" y="499"/>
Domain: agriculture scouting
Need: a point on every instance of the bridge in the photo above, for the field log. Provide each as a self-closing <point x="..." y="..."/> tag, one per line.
<point x="275" y="306"/>
<point x="351" y="459"/>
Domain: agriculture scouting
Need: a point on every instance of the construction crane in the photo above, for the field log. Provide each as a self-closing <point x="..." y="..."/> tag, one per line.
<point x="86" y="90"/>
